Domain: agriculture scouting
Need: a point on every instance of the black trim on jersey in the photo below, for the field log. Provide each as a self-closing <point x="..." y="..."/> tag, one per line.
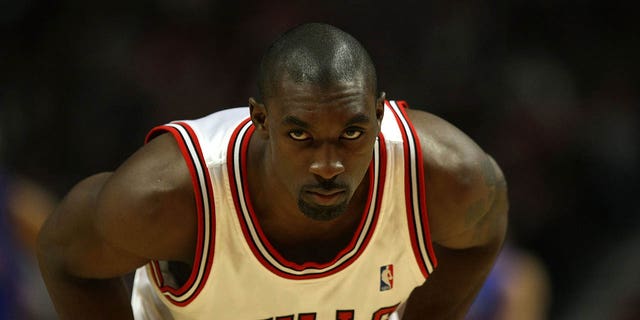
<point x="414" y="172"/>
<point x="259" y="244"/>
<point x="203" y="192"/>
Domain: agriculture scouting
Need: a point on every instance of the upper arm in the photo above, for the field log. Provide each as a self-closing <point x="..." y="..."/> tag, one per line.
<point x="466" y="190"/>
<point x="483" y="218"/>
<point x="111" y="223"/>
<point x="467" y="209"/>
<point x="148" y="205"/>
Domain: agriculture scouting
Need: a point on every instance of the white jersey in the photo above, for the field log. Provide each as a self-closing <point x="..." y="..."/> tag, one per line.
<point x="238" y="274"/>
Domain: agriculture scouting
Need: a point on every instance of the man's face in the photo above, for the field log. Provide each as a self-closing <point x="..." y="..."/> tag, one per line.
<point x="320" y="141"/>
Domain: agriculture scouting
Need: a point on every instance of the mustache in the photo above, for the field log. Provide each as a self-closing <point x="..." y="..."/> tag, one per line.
<point x="327" y="185"/>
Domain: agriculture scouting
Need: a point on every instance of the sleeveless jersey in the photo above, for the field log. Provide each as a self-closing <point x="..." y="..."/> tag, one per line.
<point x="237" y="274"/>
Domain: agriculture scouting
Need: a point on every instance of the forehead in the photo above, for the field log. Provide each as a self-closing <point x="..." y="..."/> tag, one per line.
<point x="351" y="96"/>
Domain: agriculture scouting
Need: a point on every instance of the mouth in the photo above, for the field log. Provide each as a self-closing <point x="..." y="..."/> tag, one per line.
<point x="326" y="197"/>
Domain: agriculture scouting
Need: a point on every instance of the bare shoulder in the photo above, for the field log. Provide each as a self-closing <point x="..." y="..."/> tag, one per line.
<point x="451" y="158"/>
<point x="461" y="179"/>
<point x="147" y="206"/>
<point x="111" y="223"/>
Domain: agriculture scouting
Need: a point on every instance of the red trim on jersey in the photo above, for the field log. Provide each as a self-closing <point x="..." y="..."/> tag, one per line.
<point x="422" y="210"/>
<point x="231" y="154"/>
<point x="198" y="192"/>
<point x="384" y="311"/>
<point x="408" y="197"/>
<point x="423" y="195"/>
<point x="234" y="187"/>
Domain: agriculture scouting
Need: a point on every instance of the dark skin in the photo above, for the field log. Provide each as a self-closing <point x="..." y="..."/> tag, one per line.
<point x="112" y="223"/>
<point x="318" y="135"/>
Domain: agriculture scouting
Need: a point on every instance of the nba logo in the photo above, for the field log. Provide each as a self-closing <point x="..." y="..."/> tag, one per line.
<point x="386" y="277"/>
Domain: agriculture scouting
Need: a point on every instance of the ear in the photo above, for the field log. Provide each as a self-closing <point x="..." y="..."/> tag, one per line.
<point x="380" y="107"/>
<point x="258" y="115"/>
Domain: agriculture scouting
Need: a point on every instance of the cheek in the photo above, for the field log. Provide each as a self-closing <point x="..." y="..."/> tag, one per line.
<point x="285" y="156"/>
<point x="360" y="167"/>
<point x="362" y="152"/>
<point x="287" y="166"/>
<point x="358" y="161"/>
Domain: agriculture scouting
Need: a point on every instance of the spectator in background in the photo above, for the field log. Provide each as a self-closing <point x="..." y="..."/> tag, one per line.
<point x="518" y="287"/>
<point x="24" y="206"/>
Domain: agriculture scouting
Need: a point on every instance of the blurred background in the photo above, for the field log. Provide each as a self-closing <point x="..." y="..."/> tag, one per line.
<point x="549" y="88"/>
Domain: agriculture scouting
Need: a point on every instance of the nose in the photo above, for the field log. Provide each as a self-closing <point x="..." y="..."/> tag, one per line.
<point x="326" y="163"/>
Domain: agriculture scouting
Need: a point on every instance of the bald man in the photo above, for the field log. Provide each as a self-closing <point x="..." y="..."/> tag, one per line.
<point x="320" y="200"/>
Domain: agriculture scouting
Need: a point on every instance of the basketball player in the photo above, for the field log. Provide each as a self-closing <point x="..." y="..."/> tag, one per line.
<point x="321" y="200"/>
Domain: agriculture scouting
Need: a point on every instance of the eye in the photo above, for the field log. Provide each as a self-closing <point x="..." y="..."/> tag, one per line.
<point x="299" y="135"/>
<point x="352" y="134"/>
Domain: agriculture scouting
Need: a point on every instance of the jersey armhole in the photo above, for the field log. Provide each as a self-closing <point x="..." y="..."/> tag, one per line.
<point x="203" y="192"/>
<point x="415" y="190"/>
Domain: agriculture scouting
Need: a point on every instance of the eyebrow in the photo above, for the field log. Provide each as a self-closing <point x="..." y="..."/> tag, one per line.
<point x="292" y="120"/>
<point x="359" y="118"/>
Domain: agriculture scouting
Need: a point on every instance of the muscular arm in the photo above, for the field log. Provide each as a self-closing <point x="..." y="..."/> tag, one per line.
<point x="468" y="206"/>
<point x="110" y="224"/>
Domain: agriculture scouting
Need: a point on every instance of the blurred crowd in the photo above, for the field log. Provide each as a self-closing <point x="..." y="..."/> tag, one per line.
<point x="549" y="88"/>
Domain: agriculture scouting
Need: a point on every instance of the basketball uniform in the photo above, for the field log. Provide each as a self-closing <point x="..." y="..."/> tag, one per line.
<point x="237" y="274"/>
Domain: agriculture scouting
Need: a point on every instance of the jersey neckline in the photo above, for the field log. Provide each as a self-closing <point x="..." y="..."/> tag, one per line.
<point x="262" y="249"/>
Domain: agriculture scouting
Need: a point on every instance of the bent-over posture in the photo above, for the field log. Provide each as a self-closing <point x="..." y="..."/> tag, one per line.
<point x="320" y="200"/>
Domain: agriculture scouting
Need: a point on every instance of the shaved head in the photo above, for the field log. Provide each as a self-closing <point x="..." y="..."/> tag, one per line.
<point x="317" y="54"/>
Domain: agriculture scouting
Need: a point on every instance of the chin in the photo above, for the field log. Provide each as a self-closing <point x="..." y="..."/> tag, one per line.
<point x="322" y="213"/>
